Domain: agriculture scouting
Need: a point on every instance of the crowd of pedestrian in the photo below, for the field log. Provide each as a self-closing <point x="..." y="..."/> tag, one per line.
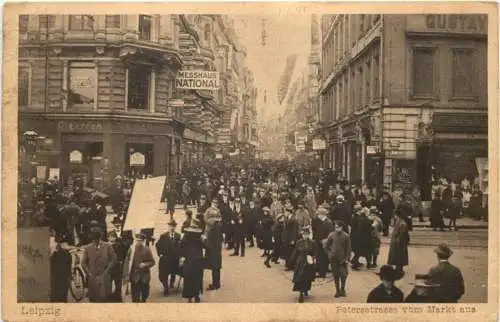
<point x="311" y="219"/>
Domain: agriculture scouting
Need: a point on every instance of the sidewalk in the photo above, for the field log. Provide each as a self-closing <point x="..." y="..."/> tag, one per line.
<point x="462" y="223"/>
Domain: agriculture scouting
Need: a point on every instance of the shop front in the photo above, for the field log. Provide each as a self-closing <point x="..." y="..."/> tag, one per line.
<point x="449" y="147"/>
<point x="97" y="149"/>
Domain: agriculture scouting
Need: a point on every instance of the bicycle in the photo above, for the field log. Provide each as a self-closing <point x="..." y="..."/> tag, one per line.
<point x="78" y="283"/>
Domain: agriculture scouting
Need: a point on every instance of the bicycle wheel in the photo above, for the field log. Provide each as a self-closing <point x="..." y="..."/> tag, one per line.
<point x="77" y="284"/>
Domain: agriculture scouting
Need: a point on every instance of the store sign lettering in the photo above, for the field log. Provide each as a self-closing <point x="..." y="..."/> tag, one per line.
<point x="73" y="126"/>
<point x="464" y="23"/>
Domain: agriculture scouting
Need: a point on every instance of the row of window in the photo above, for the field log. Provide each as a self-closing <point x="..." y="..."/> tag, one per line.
<point x="347" y="31"/>
<point x="354" y="89"/>
<point x="461" y="66"/>
<point x="465" y="72"/>
<point x="82" y="82"/>
<point x="86" y="22"/>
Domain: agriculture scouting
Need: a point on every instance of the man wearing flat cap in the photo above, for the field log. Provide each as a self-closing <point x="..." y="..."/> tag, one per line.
<point x="137" y="269"/>
<point x="447" y="276"/>
<point x="321" y="228"/>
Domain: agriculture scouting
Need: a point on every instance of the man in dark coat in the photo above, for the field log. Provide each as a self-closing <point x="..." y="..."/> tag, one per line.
<point x="252" y="216"/>
<point x="116" y="272"/>
<point x="386" y="207"/>
<point x="340" y="211"/>
<point x="238" y="228"/>
<point x="447" y="276"/>
<point x="386" y="292"/>
<point x="60" y="273"/>
<point x="213" y="240"/>
<point x="361" y="238"/>
<point x="291" y="234"/>
<point x="168" y="249"/>
<point x="171" y="198"/>
<point x="226" y="213"/>
<point x="321" y="227"/>
<point x="398" y="249"/>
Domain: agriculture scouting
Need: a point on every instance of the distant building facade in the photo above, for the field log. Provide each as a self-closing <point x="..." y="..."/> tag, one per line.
<point x="402" y="95"/>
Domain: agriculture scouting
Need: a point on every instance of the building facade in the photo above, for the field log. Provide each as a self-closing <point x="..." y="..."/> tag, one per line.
<point x="100" y="91"/>
<point x="404" y="94"/>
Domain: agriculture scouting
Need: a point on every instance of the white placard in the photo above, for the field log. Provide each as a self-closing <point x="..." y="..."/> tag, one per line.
<point x="318" y="144"/>
<point x="144" y="203"/>
<point x="41" y="172"/>
<point x="137" y="158"/>
<point x="197" y="79"/>
<point x="33" y="265"/>
<point x="371" y="149"/>
<point x="218" y="156"/>
<point x="75" y="156"/>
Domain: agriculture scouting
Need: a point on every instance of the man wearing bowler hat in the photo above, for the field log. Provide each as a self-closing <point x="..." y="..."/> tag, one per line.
<point x="386" y="292"/>
<point x="168" y="249"/>
<point x="447" y="276"/>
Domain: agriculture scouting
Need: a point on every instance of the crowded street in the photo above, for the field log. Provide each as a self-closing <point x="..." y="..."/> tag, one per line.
<point x="290" y="158"/>
<point x="469" y="247"/>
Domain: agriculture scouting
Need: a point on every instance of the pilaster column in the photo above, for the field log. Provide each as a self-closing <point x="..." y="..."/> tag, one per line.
<point x="363" y="163"/>
<point x="152" y="92"/>
<point x="65" y="85"/>
<point x="33" y="24"/>
<point x="96" y="87"/>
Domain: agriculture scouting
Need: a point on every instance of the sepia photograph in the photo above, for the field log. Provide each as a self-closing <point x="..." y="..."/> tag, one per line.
<point x="315" y="157"/>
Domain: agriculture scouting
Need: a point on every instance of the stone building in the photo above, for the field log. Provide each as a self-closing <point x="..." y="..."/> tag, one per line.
<point x="402" y="94"/>
<point x="100" y="91"/>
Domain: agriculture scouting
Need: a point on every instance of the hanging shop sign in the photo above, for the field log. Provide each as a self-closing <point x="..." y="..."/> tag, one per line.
<point x="371" y="149"/>
<point x="318" y="144"/>
<point x="197" y="79"/>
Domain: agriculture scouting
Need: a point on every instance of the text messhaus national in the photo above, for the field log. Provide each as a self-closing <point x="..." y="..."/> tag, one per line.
<point x="197" y="74"/>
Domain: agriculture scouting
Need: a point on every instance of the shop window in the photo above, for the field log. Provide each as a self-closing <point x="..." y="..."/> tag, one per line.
<point x="24" y="85"/>
<point x="23" y="23"/>
<point x="112" y="21"/>
<point x="46" y="21"/>
<point x="463" y="73"/>
<point x="139" y="87"/>
<point x="424" y="66"/>
<point x="145" y="23"/>
<point x="81" y="22"/>
<point x="82" y="82"/>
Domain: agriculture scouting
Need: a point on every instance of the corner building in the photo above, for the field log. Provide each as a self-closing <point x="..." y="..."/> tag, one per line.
<point x="100" y="90"/>
<point x="404" y="97"/>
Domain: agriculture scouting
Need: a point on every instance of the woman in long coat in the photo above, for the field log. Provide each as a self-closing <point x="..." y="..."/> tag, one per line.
<point x="398" y="249"/>
<point x="192" y="251"/>
<point x="266" y="232"/>
<point x="305" y="271"/>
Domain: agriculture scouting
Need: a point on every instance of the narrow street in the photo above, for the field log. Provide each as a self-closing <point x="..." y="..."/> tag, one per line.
<point x="273" y="285"/>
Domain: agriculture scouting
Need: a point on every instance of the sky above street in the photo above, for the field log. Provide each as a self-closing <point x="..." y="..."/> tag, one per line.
<point x="286" y="34"/>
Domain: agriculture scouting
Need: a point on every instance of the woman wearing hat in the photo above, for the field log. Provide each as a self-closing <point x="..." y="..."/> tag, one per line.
<point x="304" y="257"/>
<point x="192" y="261"/>
<point x="266" y="233"/>
<point x="386" y="291"/>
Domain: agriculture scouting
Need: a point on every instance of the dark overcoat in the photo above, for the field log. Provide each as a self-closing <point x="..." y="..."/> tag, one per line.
<point x="192" y="250"/>
<point x="168" y="250"/>
<point x="266" y="233"/>
<point x="380" y="295"/>
<point x="398" y="249"/>
<point x="304" y="273"/>
<point x="214" y="244"/>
